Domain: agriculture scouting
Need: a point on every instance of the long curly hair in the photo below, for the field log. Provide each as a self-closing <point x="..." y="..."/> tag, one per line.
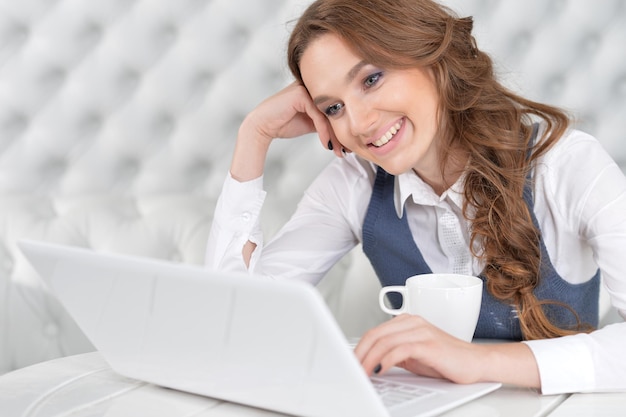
<point x="479" y="119"/>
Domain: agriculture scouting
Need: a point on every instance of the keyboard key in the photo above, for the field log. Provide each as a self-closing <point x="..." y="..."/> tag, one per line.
<point x="395" y="393"/>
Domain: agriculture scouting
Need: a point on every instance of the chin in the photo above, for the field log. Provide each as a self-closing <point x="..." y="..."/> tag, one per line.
<point x="396" y="169"/>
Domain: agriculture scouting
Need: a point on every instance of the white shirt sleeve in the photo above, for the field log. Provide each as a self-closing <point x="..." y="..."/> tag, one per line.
<point x="324" y="227"/>
<point x="590" y="191"/>
<point x="584" y="362"/>
<point x="235" y="222"/>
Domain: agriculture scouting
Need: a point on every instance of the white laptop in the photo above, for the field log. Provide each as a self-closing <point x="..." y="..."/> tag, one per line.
<point x="268" y="344"/>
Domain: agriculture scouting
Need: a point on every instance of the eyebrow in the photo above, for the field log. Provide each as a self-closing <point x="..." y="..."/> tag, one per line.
<point x="349" y="78"/>
<point x="354" y="71"/>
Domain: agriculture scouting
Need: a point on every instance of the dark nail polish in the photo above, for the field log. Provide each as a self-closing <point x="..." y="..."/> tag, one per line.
<point x="330" y="146"/>
<point x="378" y="368"/>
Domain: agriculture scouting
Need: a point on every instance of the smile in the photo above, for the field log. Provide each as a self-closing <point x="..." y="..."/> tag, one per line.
<point x="388" y="135"/>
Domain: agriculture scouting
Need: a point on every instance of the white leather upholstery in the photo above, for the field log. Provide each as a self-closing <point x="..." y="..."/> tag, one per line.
<point x="118" y="118"/>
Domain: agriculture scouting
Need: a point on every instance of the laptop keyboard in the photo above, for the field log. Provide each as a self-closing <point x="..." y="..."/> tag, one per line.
<point x="397" y="393"/>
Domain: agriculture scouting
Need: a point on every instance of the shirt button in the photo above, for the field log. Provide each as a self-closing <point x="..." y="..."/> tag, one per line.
<point x="246" y="217"/>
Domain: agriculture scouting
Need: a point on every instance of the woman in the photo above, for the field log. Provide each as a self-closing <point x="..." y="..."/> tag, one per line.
<point x="440" y="169"/>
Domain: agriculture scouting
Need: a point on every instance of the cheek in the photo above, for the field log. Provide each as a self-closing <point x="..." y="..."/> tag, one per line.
<point x="408" y="101"/>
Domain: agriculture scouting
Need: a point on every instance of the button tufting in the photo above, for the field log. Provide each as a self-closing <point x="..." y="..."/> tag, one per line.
<point x="128" y="168"/>
<point x="163" y="125"/>
<point x="554" y="85"/>
<point x="590" y="43"/>
<point x="203" y="80"/>
<point x="53" y="168"/>
<point x="19" y="33"/>
<point x="90" y="33"/>
<point x="13" y="125"/>
<point x="199" y="170"/>
<point x="52" y="79"/>
<point x="128" y="80"/>
<point x="167" y="34"/>
<point x="51" y="330"/>
<point x="522" y="42"/>
<point x="275" y="79"/>
<point x="238" y="38"/>
<point x="89" y="124"/>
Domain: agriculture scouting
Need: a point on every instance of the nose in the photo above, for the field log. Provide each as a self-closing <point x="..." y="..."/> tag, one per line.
<point x="361" y="117"/>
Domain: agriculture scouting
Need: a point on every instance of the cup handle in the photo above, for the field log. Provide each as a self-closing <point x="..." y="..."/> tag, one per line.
<point x="401" y="289"/>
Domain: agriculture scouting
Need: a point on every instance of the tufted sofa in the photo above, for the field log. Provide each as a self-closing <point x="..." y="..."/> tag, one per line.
<point x="118" y="118"/>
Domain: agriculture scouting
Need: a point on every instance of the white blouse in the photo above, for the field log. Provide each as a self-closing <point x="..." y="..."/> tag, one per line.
<point x="580" y="204"/>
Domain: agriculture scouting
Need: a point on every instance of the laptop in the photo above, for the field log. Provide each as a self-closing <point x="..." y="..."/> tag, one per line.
<point x="250" y="340"/>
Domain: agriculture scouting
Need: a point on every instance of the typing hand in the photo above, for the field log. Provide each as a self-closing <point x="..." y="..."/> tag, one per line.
<point x="414" y="344"/>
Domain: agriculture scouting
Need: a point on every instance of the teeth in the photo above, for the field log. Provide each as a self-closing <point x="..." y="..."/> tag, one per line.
<point x="387" y="136"/>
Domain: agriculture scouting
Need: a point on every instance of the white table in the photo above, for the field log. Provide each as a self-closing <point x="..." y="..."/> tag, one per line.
<point x="592" y="405"/>
<point x="85" y="386"/>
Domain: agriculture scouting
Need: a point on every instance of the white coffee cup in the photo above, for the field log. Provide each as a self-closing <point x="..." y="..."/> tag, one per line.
<point x="451" y="302"/>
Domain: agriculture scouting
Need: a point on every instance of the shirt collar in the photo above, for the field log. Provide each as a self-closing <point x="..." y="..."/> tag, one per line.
<point x="409" y="184"/>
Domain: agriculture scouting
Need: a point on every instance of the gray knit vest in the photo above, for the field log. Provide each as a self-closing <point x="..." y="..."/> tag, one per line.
<point x="389" y="245"/>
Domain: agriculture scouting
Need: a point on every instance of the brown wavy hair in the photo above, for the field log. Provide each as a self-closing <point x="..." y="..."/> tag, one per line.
<point x="479" y="118"/>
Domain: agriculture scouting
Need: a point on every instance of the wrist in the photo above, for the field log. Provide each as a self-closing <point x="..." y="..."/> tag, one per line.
<point x="251" y="132"/>
<point x="510" y="363"/>
<point x="250" y="152"/>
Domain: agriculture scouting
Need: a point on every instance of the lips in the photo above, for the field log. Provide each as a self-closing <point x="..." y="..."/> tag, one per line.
<point x="386" y="137"/>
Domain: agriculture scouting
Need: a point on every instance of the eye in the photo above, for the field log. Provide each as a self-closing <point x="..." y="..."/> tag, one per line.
<point x="371" y="80"/>
<point x="333" y="109"/>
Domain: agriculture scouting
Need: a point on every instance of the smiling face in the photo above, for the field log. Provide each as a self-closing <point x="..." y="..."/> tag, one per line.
<point x="389" y="117"/>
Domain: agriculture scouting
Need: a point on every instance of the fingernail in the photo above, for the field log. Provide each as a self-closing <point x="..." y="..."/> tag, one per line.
<point x="330" y="146"/>
<point x="378" y="368"/>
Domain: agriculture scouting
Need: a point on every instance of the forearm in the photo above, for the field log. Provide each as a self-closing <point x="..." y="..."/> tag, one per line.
<point x="247" y="164"/>
<point x="510" y="363"/>
<point x="250" y="152"/>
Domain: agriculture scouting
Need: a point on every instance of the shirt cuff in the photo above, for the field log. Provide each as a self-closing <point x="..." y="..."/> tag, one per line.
<point x="240" y="204"/>
<point x="565" y="364"/>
